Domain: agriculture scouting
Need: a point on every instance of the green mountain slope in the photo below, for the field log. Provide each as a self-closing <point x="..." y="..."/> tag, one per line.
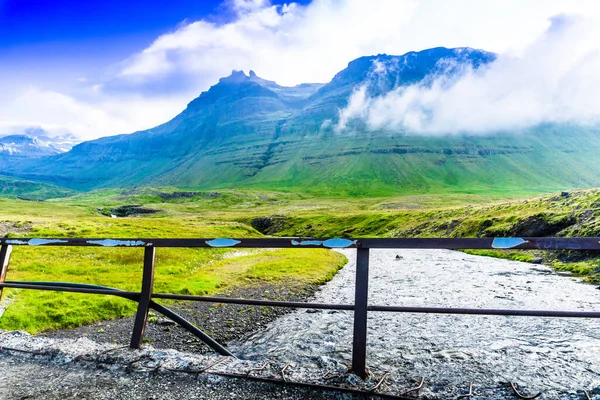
<point x="249" y="132"/>
<point x="28" y="190"/>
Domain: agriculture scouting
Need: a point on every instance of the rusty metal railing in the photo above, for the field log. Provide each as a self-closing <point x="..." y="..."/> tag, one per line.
<point x="145" y="297"/>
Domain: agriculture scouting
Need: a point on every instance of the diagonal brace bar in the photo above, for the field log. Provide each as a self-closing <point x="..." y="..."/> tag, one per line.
<point x="95" y="289"/>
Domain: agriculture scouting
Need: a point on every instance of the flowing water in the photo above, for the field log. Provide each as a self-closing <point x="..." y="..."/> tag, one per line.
<point x="554" y="355"/>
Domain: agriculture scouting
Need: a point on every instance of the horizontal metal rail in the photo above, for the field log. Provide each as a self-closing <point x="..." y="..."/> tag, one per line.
<point x="252" y="302"/>
<point x="146" y="296"/>
<point x="487" y="311"/>
<point x="524" y="243"/>
<point x="65" y="287"/>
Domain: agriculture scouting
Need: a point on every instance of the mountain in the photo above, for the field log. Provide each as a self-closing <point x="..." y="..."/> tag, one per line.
<point x="61" y="142"/>
<point x="26" y="146"/>
<point x="382" y="73"/>
<point x="15" y="148"/>
<point x="32" y="142"/>
<point x="246" y="131"/>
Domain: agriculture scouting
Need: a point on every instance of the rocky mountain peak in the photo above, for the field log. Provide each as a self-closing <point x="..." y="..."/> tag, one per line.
<point x="234" y="77"/>
<point x="19" y="140"/>
<point x="26" y="146"/>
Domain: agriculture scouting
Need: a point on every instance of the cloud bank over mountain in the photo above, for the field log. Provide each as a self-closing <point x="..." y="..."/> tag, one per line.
<point x="554" y="80"/>
<point x="294" y="43"/>
<point x="290" y="44"/>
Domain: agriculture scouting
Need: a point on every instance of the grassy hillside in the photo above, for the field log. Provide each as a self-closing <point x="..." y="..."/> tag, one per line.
<point x="574" y="213"/>
<point x="543" y="159"/>
<point x="17" y="188"/>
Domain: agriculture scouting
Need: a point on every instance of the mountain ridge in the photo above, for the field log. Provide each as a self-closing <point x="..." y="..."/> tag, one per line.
<point x="246" y="131"/>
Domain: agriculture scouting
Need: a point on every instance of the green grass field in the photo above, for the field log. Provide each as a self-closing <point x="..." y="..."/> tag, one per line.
<point x="230" y="213"/>
<point x="187" y="271"/>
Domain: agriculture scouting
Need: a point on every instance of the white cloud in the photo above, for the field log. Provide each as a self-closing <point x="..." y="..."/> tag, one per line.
<point x="292" y="43"/>
<point x="58" y="113"/>
<point x="556" y="79"/>
<point x="289" y="44"/>
<point x="248" y="5"/>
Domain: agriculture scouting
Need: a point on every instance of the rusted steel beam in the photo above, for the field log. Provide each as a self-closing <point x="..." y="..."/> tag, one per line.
<point x="361" y="295"/>
<point x="5" y="251"/>
<point x="145" y="297"/>
<point x="90" y="289"/>
<point x="190" y="242"/>
<point x="341" y="389"/>
<point x="540" y="243"/>
<point x="185" y="324"/>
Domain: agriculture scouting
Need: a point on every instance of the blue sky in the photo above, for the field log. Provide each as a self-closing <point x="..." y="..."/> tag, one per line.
<point x="90" y="33"/>
<point x="24" y="22"/>
<point x="126" y="25"/>
<point x="97" y="68"/>
<point x="86" y="32"/>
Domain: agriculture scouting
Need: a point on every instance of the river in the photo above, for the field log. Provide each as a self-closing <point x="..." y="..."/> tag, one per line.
<point x="557" y="356"/>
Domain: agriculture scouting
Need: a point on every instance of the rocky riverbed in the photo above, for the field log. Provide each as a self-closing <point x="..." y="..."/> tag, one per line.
<point x="555" y="356"/>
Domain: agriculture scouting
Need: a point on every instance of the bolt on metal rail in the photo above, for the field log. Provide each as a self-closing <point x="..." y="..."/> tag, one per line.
<point x="146" y="296"/>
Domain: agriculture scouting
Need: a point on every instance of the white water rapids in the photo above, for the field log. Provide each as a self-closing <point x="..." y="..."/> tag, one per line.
<point x="554" y="355"/>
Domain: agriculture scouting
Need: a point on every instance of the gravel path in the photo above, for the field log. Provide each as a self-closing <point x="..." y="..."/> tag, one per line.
<point x="32" y="379"/>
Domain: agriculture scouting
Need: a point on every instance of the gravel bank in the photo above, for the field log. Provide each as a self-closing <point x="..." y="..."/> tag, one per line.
<point x="223" y="322"/>
<point x="28" y="379"/>
<point x="46" y="368"/>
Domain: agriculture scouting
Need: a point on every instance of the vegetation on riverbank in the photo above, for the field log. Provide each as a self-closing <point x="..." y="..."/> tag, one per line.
<point x="241" y="213"/>
<point x="565" y="214"/>
<point x="184" y="271"/>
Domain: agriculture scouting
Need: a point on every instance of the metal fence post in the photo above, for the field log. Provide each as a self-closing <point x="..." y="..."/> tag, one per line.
<point x="145" y="297"/>
<point x="4" y="259"/>
<point x="359" y="345"/>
